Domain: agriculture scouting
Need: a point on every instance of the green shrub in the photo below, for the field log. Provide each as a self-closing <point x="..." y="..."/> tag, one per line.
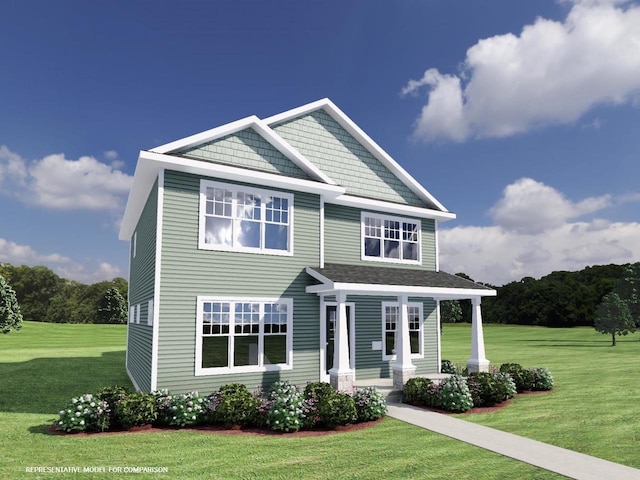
<point x="286" y="411"/>
<point x="370" y="404"/>
<point x="420" y="391"/>
<point x="113" y="396"/>
<point x="319" y="389"/>
<point x="233" y="405"/>
<point x="542" y="379"/>
<point x="522" y="377"/>
<point x="487" y="389"/>
<point x="180" y="410"/>
<point x="136" y="409"/>
<point x="85" y="413"/>
<point x="447" y="367"/>
<point x="313" y="393"/>
<point x="508" y="384"/>
<point x="454" y="395"/>
<point x="337" y="409"/>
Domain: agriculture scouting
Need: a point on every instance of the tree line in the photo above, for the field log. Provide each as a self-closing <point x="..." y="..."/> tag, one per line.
<point x="560" y="299"/>
<point x="43" y="296"/>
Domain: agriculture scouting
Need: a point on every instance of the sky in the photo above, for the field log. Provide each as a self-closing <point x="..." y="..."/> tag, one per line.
<point x="520" y="117"/>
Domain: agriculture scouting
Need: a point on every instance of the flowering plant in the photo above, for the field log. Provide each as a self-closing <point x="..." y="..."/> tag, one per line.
<point x="370" y="404"/>
<point x="180" y="410"/>
<point x="287" y="407"/>
<point x="542" y="379"/>
<point x="454" y="394"/>
<point x="84" y="413"/>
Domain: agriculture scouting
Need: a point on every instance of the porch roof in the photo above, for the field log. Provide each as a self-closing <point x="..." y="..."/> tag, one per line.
<point x="373" y="280"/>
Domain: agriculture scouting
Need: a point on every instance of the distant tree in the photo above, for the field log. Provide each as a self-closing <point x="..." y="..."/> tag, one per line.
<point x="450" y="311"/>
<point x="34" y="287"/>
<point x="112" y="307"/>
<point x="10" y="316"/>
<point x="613" y="317"/>
<point x="628" y="289"/>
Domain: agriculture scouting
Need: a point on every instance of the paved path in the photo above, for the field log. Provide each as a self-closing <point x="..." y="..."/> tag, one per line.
<point x="556" y="459"/>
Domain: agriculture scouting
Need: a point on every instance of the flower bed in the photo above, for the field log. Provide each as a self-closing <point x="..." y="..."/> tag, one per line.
<point x="285" y="408"/>
<point x="462" y="391"/>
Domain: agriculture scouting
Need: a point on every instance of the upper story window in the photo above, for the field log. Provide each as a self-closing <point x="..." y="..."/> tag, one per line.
<point x="245" y="219"/>
<point x="390" y="239"/>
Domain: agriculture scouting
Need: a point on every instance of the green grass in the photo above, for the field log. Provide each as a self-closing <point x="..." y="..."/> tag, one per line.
<point x="595" y="405"/>
<point x="44" y="365"/>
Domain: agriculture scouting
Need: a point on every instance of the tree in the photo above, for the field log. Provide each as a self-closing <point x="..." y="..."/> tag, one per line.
<point x="613" y="317"/>
<point x="628" y="288"/>
<point x="10" y="316"/>
<point x="450" y="311"/>
<point x="112" y="307"/>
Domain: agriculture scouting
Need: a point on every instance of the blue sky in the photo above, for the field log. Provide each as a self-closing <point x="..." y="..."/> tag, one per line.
<point x="520" y="117"/>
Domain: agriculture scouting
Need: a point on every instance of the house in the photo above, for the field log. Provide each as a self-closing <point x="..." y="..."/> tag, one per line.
<point x="291" y="247"/>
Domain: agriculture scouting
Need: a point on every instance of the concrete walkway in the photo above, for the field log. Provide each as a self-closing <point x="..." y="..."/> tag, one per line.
<point x="555" y="459"/>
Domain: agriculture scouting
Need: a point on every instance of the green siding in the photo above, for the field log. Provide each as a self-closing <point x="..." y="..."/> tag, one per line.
<point x="338" y="154"/>
<point x="246" y="149"/>
<point x="188" y="272"/>
<point x="368" y="322"/>
<point x="141" y="290"/>
<point x="343" y="239"/>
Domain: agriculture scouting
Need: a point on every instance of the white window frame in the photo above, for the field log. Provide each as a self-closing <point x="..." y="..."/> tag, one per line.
<point x="418" y="305"/>
<point x="150" y="312"/>
<point x="134" y="246"/>
<point x="138" y="313"/>
<point x="391" y="218"/>
<point x="201" y="300"/>
<point x="263" y="193"/>
<point x="132" y="313"/>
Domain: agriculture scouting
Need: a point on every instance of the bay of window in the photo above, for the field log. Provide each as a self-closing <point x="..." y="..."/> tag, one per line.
<point x="390" y="239"/>
<point x="245" y="219"/>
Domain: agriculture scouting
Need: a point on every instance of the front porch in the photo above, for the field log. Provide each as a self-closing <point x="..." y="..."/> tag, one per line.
<point x="342" y="281"/>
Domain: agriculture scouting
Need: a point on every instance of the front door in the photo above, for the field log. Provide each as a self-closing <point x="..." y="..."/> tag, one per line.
<point x="331" y="315"/>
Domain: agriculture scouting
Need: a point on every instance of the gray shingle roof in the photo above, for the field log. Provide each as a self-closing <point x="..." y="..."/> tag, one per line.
<point x="371" y="275"/>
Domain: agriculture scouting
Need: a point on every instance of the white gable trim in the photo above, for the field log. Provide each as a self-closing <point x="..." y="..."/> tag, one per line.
<point x="394" y="208"/>
<point x="345" y="122"/>
<point x="263" y="130"/>
<point x="150" y="163"/>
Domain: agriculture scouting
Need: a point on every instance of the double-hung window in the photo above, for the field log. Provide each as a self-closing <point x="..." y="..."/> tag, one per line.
<point x="390" y="239"/>
<point x="390" y="321"/>
<point x="243" y="335"/>
<point x="245" y="219"/>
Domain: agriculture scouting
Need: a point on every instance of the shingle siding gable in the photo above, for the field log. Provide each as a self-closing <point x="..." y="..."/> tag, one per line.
<point x="338" y="154"/>
<point x="246" y="149"/>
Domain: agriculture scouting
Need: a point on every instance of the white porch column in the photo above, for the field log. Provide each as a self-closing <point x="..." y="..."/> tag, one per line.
<point x="341" y="376"/>
<point x="403" y="369"/>
<point x="477" y="362"/>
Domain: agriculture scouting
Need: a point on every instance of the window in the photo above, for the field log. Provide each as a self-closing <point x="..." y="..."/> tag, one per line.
<point x="243" y="335"/>
<point x="134" y="246"/>
<point x="132" y="314"/>
<point x="138" y="313"/>
<point x="244" y="219"/>
<point x="390" y="320"/>
<point x="390" y="239"/>
<point x="150" y="312"/>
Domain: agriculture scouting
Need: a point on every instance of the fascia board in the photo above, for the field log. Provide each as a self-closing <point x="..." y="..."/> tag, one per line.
<point x="149" y="163"/>
<point x="394" y="208"/>
<point x="296" y="112"/>
<point x="438" y="292"/>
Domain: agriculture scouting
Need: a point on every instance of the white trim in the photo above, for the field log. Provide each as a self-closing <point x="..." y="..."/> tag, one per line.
<point x="321" y="245"/>
<point x="200" y="371"/>
<point x="138" y="314"/>
<point x="262" y="129"/>
<point x="156" y="286"/>
<point x="392" y="208"/>
<point x="383" y="218"/>
<point x="439" y="334"/>
<point x="420" y="354"/>
<point x="150" y="313"/>
<point x="135" y="244"/>
<point x="324" y="376"/>
<point x="437" y="248"/>
<point x="263" y="193"/>
<point x="150" y="163"/>
<point x="132" y="313"/>
<point x="345" y="122"/>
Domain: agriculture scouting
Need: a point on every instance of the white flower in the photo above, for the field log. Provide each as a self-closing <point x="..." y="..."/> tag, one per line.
<point x="74" y="400"/>
<point x="61" y="412"/>
<point x="78" y="414"/>
<point x="81" y="422"/>
<point x="92" y="404"/>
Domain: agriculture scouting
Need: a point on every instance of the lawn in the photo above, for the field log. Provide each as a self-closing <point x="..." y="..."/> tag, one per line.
<point x="44" y="365"/>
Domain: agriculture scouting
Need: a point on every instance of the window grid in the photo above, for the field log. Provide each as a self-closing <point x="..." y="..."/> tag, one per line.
<point x="391" y="318"/>
<point x="390" y="239"/>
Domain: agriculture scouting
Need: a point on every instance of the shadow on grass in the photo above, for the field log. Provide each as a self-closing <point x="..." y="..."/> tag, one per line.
<point x="45" y="385"/>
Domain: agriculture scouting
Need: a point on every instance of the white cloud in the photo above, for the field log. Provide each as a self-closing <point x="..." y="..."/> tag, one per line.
<point x="16" y="254"/>
<point x="554" y="240"/>
<point x="60" y="183"/>
<point x="552" y="73"/>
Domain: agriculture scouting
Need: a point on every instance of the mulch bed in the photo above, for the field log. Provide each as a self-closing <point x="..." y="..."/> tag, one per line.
<point x="237" y="430"/>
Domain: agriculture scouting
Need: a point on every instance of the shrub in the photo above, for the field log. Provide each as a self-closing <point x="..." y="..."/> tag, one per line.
<point x="180" y="410"/>
<point x="454" y="394"/>
<point x="487" y="389"/>
<point x="523" y="378"/>
<point x="370" y="404"/>
<point x="508" y="384"/>
<point x="313" y="393"/>
<point x="136" y="409"/>
<point x="319" y="389"/>
<point x="233" y="405"/>
<point x="447" y="367"/>
<point x="337" y="409"/>
<point x="286" y="409"/>
<point x="86" y="413"/>
<point x="542" y="379"/>
<point x="421" y="391"/>
<point x="113" y="396"/>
